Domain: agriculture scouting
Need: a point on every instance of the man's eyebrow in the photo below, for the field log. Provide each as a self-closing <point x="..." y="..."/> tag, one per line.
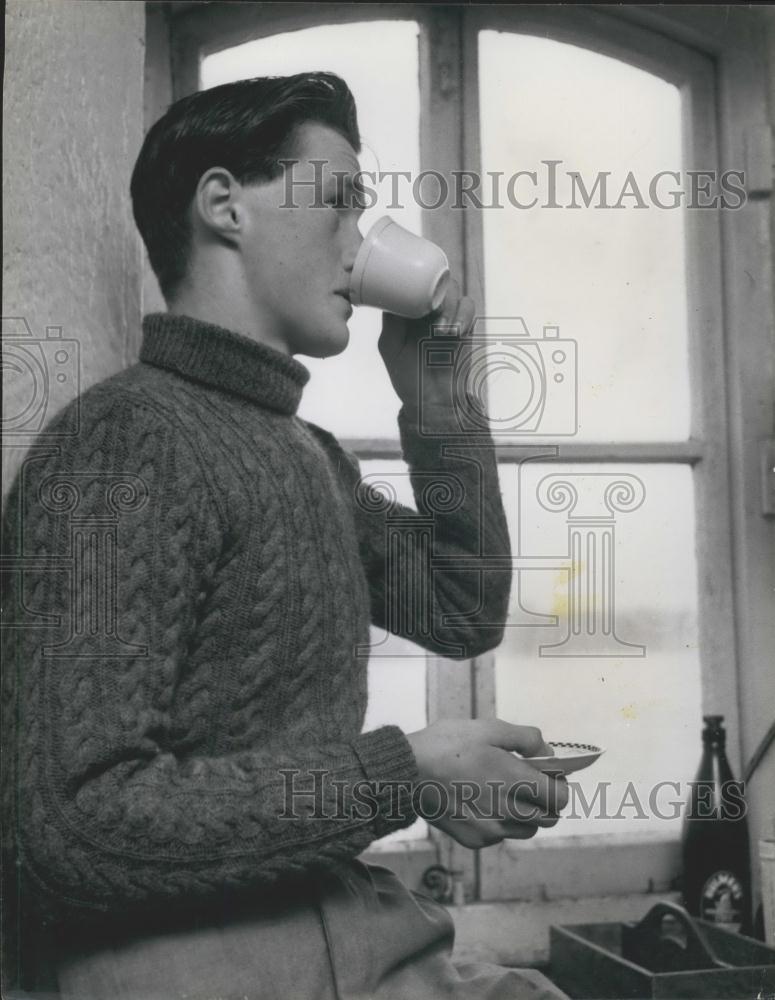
<point x="347" y="184"/>
<point x="344" y="178"/>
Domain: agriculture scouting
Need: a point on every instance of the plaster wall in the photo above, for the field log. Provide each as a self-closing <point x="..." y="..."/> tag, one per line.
<point x="73" y="124"/>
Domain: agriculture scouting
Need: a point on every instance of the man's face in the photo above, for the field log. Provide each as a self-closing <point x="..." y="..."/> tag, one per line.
<point x="299" y="259"/>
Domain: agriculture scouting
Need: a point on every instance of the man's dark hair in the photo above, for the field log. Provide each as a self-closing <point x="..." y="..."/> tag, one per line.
<point x="245" y="127"/>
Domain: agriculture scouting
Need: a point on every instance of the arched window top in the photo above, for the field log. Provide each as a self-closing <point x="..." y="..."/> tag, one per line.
<point x="598" y="103"/>
<point x="589" y="234"/>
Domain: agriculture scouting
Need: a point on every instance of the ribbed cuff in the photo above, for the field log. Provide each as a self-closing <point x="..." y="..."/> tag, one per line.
<point x="386" y="755"/>
<point x="429" y="417"/>
<point x="461" y="418"/>
<point x="388" y="761"/>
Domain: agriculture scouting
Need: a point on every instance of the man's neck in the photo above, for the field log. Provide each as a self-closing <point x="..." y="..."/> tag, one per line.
<point x="222" y="304"/>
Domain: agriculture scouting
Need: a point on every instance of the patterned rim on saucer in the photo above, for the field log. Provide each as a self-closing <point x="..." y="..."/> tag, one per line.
<point x="574" y="747"/>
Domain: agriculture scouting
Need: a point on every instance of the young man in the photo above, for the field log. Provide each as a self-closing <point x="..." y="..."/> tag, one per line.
<point x="187" y="778"/>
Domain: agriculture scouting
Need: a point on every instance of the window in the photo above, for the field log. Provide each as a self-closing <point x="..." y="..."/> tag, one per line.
<point x="611" y="637"/>
<point x="602" y="646"/>
<point x="499" y="89"/>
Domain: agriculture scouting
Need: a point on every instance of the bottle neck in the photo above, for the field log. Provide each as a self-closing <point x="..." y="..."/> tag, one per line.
<point x="714" y="766"/>
<point x="714" y="736"/>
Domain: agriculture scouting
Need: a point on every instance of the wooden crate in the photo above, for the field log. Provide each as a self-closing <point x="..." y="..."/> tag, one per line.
<point x="666" y="955"/>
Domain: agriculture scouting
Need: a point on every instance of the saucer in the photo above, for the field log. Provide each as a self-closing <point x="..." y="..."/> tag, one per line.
<point x="568" y="757"/>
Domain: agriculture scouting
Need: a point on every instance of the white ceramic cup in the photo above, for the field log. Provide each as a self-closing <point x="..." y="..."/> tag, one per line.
<point x="399" y="272"/>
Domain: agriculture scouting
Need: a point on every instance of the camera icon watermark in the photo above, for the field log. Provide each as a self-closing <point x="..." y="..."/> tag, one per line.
<point x="40" y="376"/>
<point x="82" y="610"/>
<point x="500" y="380"/>
<point x="410" y="607"/>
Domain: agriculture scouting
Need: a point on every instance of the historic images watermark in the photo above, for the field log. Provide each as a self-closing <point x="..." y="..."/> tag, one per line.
<point x="550" y="184"/>
<point x="42" y="379"/>
<point x="40" y="373"/>
<point x="540" y="374"/>
<point x="536" y="395"/>
<point x="84" y="511"/>
<point x="314" y="794"/>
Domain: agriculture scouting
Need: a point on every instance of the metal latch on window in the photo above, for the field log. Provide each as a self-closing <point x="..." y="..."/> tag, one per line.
<point x="768" y="477"/>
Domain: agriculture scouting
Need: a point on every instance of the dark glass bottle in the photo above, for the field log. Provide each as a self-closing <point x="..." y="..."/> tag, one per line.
<point x="716" y="861"/>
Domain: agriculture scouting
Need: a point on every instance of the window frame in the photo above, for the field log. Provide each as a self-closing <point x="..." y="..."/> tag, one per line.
<point x="653" y="864"/>
<point x="715" y="64"/>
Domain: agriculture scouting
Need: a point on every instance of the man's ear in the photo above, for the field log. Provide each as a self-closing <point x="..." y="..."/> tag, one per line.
<point x="218" y="204"/>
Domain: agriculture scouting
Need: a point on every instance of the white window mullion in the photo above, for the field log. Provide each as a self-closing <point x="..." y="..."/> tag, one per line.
<point x="709" y="416"/>
<point x="442" y="93"/>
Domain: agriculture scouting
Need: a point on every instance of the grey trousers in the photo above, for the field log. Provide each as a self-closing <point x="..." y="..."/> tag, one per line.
<point x="366" y="935"/>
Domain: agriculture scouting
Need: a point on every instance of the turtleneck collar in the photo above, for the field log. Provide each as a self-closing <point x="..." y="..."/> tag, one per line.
<point x="224" y="359"/>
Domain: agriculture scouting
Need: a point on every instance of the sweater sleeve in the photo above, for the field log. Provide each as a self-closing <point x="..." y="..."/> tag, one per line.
<point x="439" y="575"/>
<point x="108" y="807"/>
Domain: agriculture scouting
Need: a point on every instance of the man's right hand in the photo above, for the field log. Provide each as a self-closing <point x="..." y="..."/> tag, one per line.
<point x="486" y="793"/>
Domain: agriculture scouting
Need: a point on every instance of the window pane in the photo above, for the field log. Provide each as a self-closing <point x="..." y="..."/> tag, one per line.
<point x="351" y="394"/>
<point x="616" y="566"/>
<point x="612" y="279"/>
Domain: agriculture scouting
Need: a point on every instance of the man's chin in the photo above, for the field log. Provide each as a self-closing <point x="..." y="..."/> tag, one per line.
<point x="325" y="343"/>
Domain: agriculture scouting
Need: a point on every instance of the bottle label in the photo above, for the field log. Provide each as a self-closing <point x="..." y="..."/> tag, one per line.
<point x="722" y="900"/>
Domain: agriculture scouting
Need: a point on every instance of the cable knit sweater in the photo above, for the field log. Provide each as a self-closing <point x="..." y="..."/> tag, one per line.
<point x="152" y="706"/>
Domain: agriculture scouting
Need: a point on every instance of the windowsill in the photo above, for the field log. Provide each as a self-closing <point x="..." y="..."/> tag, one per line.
<point x="557" y="868"/>
<point x="586" y="840"/>
<point x="517" y="933"/>
<point x="415" y="846"/>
